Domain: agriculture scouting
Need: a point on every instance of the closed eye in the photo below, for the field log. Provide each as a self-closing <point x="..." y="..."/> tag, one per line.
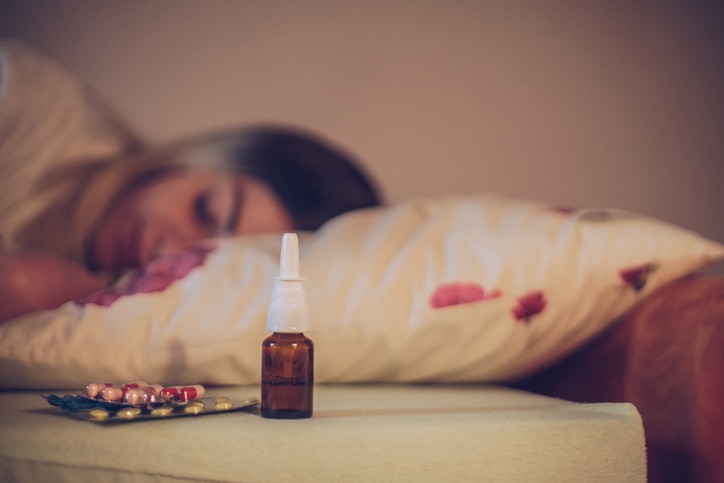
<point x="202" y="212"/>
<point x="232" y="221"/>
<point x="219" y="220"/>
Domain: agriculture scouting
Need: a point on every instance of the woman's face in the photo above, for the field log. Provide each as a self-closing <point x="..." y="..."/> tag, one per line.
<point x="179" y="209"/>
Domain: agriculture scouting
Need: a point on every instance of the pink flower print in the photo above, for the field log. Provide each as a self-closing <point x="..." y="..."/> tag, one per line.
<point x="529" y="305"/>
<point x="154" y="277"/>
<point x="457" y="293"/>
<point x="636" y="277"/>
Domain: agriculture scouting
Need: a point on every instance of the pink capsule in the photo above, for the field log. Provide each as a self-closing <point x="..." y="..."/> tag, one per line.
<point x="112" y="393"/>
<point x="93" y="389"/>
<point x="115" y="393"/>
<point x="143" y="395"/>
<point x="183" y="393"/>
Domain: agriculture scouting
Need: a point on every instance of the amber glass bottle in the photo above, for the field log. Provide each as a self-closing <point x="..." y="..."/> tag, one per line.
<point x="287" y="356"/>
<point x="287" y="376"/>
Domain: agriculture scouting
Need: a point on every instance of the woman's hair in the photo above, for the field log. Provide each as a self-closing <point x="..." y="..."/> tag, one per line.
<point x="314" y="180"/>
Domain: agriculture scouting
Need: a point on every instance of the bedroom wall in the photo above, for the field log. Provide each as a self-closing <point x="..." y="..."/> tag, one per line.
<point x="616" y="104"/>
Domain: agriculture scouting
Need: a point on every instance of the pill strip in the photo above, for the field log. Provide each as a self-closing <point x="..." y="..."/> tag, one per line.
<point x="96" y="410"/>
<point x="197" y="407"/>
<point x="141" y="393"/>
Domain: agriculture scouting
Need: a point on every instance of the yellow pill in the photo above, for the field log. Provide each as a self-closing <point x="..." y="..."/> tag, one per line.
<point x="194" y="408"/>
<point x="162" y="411"/>
<point x="223" y="403"/>
<point x="128" y="413"/>
<point x="99" y="414"/>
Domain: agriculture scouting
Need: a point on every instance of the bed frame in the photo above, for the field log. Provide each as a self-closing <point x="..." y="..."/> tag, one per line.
<point x="666" y="356"/>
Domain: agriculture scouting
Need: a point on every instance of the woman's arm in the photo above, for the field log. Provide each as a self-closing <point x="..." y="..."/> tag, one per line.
<point x="32" y="281"/>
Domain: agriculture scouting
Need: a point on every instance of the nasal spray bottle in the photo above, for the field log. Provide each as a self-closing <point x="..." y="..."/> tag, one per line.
<point x="287" y="356"/>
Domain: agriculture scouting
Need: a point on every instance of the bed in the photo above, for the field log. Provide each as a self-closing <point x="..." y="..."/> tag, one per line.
<point x="359" y="433"/>
<point x="598" y="308"/>
<point x="664" y="356"/>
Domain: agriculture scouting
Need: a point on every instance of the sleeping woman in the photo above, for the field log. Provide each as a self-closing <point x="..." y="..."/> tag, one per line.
<point x="83" y="200"/>
<point x="131" y="210"/>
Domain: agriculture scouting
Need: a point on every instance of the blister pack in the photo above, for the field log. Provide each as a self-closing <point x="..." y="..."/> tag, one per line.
<point x="139" y="401"/>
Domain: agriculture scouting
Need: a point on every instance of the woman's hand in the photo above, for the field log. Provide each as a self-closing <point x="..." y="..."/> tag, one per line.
<point x="32" y="281"/>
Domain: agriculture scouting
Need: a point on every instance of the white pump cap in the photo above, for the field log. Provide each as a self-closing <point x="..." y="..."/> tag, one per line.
<point x="288" y="311"/>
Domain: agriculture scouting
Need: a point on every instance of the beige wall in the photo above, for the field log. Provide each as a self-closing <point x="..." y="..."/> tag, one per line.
<point x="616" y="104"/>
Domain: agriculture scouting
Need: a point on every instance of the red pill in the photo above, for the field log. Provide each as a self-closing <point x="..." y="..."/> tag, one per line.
<point x="169" y="392"/>
<point x="133" y="385"/>
<point x="183" y="393"/>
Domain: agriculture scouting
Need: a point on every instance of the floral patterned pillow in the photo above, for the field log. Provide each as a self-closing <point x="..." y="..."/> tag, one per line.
<point x="476" y="288"/>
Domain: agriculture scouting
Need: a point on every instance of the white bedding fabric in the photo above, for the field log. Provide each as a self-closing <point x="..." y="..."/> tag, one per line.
<point x="49" y="119"/>
<point x="427" y="290"/>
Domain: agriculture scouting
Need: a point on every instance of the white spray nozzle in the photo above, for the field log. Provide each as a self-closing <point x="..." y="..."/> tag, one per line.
<point x="289" y="260"/>
<point x="288" y="310"/>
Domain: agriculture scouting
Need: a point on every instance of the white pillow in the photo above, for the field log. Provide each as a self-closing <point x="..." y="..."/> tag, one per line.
<point x="479" y="288"/>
